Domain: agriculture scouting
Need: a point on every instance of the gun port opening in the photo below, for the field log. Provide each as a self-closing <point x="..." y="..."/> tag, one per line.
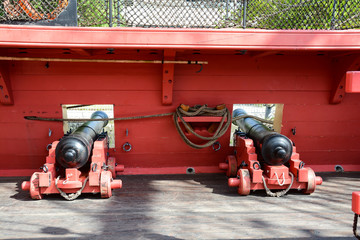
<point x="84" y="111"/>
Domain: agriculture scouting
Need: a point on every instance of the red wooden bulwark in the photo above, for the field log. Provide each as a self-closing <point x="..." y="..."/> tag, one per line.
<point x="300" y="69"/>
<point x="141" y="38"/>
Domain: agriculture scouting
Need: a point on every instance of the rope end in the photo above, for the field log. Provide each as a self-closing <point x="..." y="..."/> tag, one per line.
<point x="29" y="117"/>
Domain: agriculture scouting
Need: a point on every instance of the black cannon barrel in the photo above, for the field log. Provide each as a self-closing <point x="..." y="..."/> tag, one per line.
<point x="73" y="151"/>
<point x="276" y="149"/>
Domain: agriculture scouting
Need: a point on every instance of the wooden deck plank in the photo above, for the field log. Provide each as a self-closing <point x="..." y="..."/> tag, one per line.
<point x="199" y="206"/>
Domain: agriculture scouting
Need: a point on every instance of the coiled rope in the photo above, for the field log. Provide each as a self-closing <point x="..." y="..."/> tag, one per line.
<point x="203" y="110"/>
<point x="180" y="112"/>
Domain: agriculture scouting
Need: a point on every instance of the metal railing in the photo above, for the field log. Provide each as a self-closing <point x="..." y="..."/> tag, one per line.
<point x="265" y="14"/>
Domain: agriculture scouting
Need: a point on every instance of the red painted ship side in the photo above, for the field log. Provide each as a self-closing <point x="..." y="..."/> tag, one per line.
<point x="304" y="70"/>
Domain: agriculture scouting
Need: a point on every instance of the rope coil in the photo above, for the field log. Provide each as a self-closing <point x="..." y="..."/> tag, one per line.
<point x="202" y="111"/>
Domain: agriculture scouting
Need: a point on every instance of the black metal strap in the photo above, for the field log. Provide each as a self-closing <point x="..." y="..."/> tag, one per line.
<point x="356" y="216"/>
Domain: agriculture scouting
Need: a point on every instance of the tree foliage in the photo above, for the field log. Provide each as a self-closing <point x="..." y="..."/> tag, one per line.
<point x="302" y="14"/>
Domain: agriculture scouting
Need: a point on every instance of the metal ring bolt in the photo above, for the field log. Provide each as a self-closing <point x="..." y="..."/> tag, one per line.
<point x="127" y="147"/>
<point x="216" y="146"/>
<point x="49" y="146"/>
<point x="301" y="165"/>
<point x="256" y="165"/>
<point x="45" y="168"/>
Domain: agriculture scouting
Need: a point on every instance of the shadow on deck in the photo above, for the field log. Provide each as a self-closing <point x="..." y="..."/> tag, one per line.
<point x="169" y="207"/>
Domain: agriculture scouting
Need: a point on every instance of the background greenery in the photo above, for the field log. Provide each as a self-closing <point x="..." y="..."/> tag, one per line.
<point x="303" y="14"/>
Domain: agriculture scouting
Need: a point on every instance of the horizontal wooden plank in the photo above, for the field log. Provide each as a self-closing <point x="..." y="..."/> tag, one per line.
<point x="332" y="157"/>
<point x="316" y="112"/>
<point x="227" y="64"/>
<point x="326" y="143"/>
<point x="29" y="161"/>
<point x="287" y="73"/>
<point x="253" y="82"/>
<point x="104" y="82"/>
<point x="128" y="98"/>
<point x="151" y="81"/>
<point x="321" y="129"/>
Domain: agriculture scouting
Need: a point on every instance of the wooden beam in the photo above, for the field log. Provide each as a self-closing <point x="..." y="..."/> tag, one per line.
<point x="168" y="77"/>
<point x="5" y="87"/>
<point x="340" y="66"/>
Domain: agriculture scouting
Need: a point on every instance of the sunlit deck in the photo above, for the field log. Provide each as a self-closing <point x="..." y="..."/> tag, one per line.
<point x="181" y="207"/>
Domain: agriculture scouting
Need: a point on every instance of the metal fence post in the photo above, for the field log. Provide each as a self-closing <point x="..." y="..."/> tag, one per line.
<point x="110" y="13"/>
<point x="227" y="14"/>
<point x="332" y="25"/>
<point x="244" y="13"/>
<point x="118" y="12"/>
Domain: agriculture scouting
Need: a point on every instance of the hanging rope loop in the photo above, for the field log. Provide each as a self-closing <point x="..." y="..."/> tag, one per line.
<point x="71" y="196"/>
<point x="278" y="180"/>
<point x="280" y="193"/>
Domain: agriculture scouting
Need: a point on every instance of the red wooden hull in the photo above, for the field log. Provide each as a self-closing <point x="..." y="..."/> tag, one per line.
<point x="296" y="68"/>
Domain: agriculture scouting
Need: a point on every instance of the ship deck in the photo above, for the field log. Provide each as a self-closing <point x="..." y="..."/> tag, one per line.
<point x="199" y="206"/>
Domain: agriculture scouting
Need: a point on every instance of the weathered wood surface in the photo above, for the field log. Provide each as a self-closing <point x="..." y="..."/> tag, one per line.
<point x="181" y="207"/>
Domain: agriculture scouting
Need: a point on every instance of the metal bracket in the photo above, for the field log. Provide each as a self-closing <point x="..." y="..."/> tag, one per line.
<point x="5" y="90"/>
<point x="168" y="77"/>
<point x="341" y="66"/>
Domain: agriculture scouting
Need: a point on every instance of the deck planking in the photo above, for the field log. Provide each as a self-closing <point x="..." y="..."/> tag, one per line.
<point x="170" y="207"/>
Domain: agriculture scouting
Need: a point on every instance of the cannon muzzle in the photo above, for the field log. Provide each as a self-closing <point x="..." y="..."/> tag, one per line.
<point x="73" y="151"/>
<point x="275" y="148"/>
